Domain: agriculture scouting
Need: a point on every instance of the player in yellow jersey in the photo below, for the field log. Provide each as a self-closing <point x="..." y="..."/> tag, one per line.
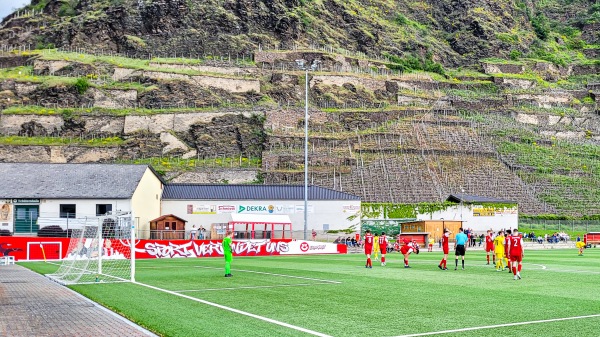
<point x="376" y="246"/>
<point x="499" y="251"/>
<point x="580" y="245"/>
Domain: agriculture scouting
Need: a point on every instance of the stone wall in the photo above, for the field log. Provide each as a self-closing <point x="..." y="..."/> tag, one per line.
<point x="114" y="99"/>
<point x="183" y="121"/>
<point x="13" y="61"/>
<point x="57" y="154"/>
<point x="42" y="67"/>
<point x="12" y="124"/>
<point x="544" y="101"/>
<point x="208" y="69"/>
<point x="124" y="73"/>
<point x="234" y="85"/>
<point x="24" y="89"/>
<point x="515" y="83"/>
<point x="292" y="119"/>
<point x="367" y="82"/>
<point x="490" y="68"/>
<point x="207" y="176"/>
<point x="552" y="120"/>
<point x="116" y="125"/>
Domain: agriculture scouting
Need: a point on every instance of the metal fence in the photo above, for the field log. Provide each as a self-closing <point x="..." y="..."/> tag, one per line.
<point x="559" y="225"/>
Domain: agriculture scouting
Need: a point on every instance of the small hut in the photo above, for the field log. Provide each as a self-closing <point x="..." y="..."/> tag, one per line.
<point x="167" y="227"/>
<point x="421" y="231"/>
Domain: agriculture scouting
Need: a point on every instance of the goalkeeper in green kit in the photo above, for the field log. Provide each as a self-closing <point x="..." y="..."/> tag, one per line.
<point x="227" y="253"/>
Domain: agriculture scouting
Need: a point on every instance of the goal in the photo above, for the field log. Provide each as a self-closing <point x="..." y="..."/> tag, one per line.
<point x="100" y="251"/>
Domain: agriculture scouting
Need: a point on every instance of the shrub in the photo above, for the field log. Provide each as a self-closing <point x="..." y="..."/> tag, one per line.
<point x="540" y="26"/>
<point x="82" y="84"/>
<point x="68" y="8"/>
<point x="401" y="19"/>
<point x="411" y="62"/>
<point x="515" y="54"/>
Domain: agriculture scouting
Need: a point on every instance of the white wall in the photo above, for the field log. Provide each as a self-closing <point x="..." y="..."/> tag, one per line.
<point x="146" y="202"/>
<point x="50" y="208"/>
<point x="334" y="213"/>
<point x="502" y="219"/>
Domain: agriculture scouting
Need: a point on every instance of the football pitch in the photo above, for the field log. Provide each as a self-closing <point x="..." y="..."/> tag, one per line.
<point x="335" y="295"/>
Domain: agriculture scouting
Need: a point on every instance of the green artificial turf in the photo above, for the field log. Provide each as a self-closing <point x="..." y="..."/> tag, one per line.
<point x="384" y="301"/>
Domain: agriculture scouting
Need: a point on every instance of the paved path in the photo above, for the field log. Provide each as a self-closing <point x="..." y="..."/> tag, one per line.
<point x="33" y="306"/>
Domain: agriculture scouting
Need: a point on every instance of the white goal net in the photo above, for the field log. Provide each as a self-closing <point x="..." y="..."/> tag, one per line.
<point x="100" y="251"/>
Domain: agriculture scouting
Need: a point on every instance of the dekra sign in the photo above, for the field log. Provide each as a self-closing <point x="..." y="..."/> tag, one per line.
<point x="252" y="209"/>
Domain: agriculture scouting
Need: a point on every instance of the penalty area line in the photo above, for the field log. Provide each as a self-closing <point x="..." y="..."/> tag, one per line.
<point x="273" y="274"/>
<point x="253" y="287"/>
<point x="262" y="318"/>
<point x="499" y="326"/>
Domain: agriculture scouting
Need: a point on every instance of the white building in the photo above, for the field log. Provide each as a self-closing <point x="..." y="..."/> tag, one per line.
<point x="478" y="213"/>
<point x="204" y="205"/>
<point x="34" y="195"/>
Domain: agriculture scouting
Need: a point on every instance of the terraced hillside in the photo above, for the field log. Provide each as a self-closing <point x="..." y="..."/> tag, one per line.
<point x="525" y="130"/>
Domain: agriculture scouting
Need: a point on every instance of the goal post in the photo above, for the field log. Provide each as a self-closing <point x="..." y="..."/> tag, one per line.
<point x="102" y="250"/>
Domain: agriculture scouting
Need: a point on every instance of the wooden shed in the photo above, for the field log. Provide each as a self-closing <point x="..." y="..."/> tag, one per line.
<point x="420" y="231"/>
<point x="167" y="227"/>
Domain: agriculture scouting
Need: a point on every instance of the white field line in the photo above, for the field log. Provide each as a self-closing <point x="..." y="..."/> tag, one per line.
<point x="499" y="326"/>
<point x="253" y="287"/>
<point x="262" y="318"/>
<point x="273" y="274"/>
<point x="252" y="271"/>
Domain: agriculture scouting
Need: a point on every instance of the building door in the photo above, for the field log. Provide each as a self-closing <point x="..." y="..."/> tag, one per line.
<point x="26" y="218"/>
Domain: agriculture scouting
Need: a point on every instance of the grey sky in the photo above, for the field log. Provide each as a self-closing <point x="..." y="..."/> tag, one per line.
<point x="7" y="6"/>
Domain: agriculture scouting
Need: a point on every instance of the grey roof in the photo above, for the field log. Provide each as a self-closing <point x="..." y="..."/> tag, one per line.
<point x="250" y="192"/>
<point x="470" y="199"/>
<point x="64" y="181"/>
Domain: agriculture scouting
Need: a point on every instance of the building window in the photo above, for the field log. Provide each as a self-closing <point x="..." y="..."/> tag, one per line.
<point x="67" y="211"/>
<point x="102" y="209"/>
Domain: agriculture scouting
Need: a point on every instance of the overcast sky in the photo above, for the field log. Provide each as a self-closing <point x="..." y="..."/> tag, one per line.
<point x="7" y="6"/>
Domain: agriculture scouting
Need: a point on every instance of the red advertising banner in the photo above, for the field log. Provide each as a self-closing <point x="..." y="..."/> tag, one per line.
<point x="34" y="248"/>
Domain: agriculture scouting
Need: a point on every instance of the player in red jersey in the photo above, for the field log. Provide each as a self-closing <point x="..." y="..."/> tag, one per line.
<point x="445" y="248"/>
<point x="506" y="247"/>
<point x="383" y="242"/>
<point x="368" y="248"/>
<point x="516" y="251"/>
<point x="409" y="247"/>
<point x="489" y="247"/>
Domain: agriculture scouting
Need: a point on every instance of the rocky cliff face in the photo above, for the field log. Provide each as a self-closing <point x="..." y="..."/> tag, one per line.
<point x="518" y="119"/>
<point x="452" y="32"/>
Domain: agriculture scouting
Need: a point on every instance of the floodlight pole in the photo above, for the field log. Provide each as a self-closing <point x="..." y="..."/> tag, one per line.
<point x="303" y="66"/>
<point x="306" y="153"/>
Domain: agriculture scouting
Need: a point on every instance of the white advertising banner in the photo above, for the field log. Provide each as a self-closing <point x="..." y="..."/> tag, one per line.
<point x="310" y="247"/>
<point x="300" y="209"/>
<point x="221" y="209"/>
<point x="265" y="209"/>
<point x="351" y="208"/>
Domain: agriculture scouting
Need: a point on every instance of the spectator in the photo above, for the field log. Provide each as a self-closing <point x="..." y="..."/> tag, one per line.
<point x="193" y="233"/>
<point x="314" y="235"/>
